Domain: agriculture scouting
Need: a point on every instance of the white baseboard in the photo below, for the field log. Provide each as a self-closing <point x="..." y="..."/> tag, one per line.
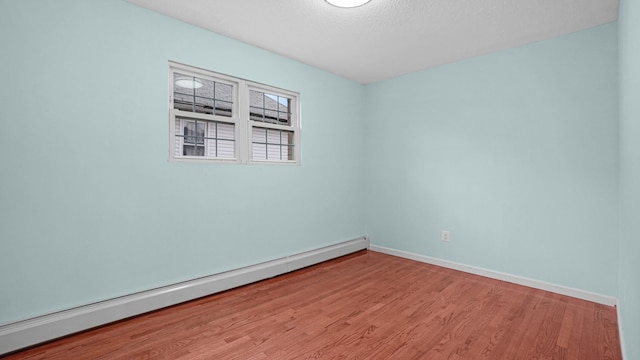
<point x="559" y="289"/>
<point x="623" y="348"/>
<point x="30" y="332"/>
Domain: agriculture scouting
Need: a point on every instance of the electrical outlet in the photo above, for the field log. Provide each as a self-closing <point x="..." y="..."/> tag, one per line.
<point x="445" y="235"/>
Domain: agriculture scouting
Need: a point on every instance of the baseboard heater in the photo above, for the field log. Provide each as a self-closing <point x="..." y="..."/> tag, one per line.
<point x="30" y="332"/>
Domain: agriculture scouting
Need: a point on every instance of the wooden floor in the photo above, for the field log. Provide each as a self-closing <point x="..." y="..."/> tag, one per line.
<point x="366" y="305"/>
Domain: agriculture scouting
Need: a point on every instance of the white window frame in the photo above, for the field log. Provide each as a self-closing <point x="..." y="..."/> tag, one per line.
<point x="293" y="127"/>
<point x="243" y="125"/>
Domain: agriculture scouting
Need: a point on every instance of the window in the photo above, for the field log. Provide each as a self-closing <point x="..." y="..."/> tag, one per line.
<point x="270" y="118"/>
<point x="218" y="118"/>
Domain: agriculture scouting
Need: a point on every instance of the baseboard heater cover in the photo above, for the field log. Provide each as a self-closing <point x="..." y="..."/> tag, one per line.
<point x="21" y="334"/>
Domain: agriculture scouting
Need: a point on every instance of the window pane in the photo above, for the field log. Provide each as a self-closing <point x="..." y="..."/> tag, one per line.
<point x="224" y="92"/>
<point x="226" y="149"/>
<point x="290" y="144"/>
<point x="259" y="152"/>
<point x="189" y="132"/>
<point x="205" y="138"/>
<point x="257" y="114"/>
<point x="259" y="135"/>
<point x="203" y="105"/>
<point x="223" y="108"/>
<point x="191" y="150"/>
<point x="194" y="132"/>
<point x="210" y="142"/>
<point x="273" y="152"/>
<point x="185" y="84"/>
<point x="271" y="144"/>
<point x="273" y="136"/>
<point x="206" y="90"/>
<point x="271" y="116"/>
<point x="287" y="137"/>
<point x="200" y="128"/>
<point x="204" y="96"/>
<point x="256" y="99"/>
<point x="284" y="111"/>
<point x="225" y="131"/>
<point x="183" y="102"/>
<point x="269" y="108"/>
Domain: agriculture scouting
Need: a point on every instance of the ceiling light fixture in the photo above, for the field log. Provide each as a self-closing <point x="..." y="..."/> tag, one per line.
<point x="189" y="82"/>
<point x="347" y="3"/>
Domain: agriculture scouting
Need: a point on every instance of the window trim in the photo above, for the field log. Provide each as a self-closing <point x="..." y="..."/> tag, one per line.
<point x="241" y="117"/>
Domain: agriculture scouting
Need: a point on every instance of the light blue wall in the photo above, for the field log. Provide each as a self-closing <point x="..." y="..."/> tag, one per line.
<point x="90" y="208"/>
<point x="515" y="153"/>
<point x="629" y="295"/>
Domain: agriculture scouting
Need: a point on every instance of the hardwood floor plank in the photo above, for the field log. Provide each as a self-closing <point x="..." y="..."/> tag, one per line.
<point x="365" y="305"/>
<point x="565" y="328"/>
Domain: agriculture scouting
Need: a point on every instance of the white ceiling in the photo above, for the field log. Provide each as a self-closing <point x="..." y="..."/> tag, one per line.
<point x="387" y="38"/>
